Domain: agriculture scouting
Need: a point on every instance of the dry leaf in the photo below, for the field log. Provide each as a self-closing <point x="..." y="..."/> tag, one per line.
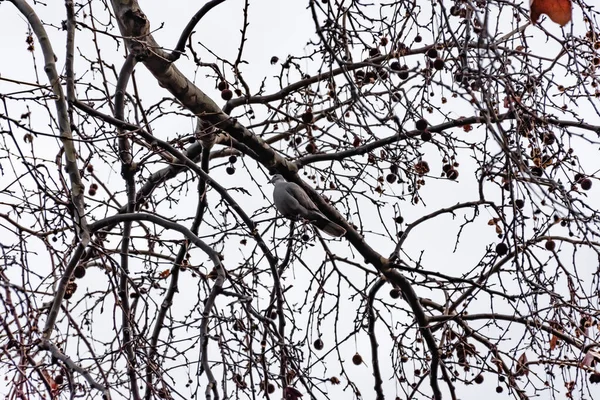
<point x="164" y="274"/>
<point x="559" y="11"/>
<point x="553" y="342"/>
<point x="522" y="368"/>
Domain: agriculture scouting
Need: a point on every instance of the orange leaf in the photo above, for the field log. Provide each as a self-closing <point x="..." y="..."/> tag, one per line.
<point x="553" y="342"/>
<point x="164" y="274"/>
<point x="559" y="11"/>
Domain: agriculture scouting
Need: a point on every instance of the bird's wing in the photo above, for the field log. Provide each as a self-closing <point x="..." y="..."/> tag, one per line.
<point x="300" y="195"/>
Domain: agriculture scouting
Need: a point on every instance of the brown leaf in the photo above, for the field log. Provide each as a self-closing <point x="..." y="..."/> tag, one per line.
<point x="164" y="274"/>
<point x="522" y="368"/>
<point x="553" y="342"/>
<point x="559" y="11"/>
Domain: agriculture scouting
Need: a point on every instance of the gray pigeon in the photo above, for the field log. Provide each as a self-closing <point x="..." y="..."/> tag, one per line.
<point x="293" y="203"/>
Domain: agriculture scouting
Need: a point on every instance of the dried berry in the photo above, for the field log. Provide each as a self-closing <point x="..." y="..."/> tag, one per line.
<point x="395" y="293"/>
<point x="421" y="124"/>
<point x="452" y="174"/>
<point x="357" y="359"/>
<point x="318" y="344"/>
<point x="426" y="136"/>
<point x="586" y="184"/>
<point x="307" y="117"/>
<point x="501" y="249"/>
<point x="79" y="272"/>
<point x="519" y="203"/>
<point x="226" y="94"/>
<point x="550" y="245"/>
<point x="222" y="85"/>
<point x="403" y="74"/>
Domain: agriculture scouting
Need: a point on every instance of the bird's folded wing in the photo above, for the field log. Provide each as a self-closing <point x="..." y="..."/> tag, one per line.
<point x="300" y="195"/>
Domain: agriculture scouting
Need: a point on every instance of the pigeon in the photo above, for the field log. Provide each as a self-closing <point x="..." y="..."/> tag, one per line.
<point x="293" y="203"/>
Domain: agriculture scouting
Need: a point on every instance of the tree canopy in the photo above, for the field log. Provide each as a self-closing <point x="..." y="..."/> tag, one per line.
<point x="456" y="143"/>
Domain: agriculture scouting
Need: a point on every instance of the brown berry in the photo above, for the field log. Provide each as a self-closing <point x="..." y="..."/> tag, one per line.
<point x="90" y="168"/>
<point x="357" y="359"/>
<point x="550" y="245"/>
<point x="390" y="178"/>
<point x="59" y="379"/>
<point x="307" y="117"/>
<point x="499" y="389"/>
<point x="549" y="138"/>
<point x="274" y="60"/>
<point x="586" y="184"/>
<point x="318" y="344"/>
<point x="230" y="170"/>
<point x="452" y="174"/>
<point x="479" y="379"/>
<point x="421" y="124"/>
<point x="79" y="272"/>
<point x="270" y="388"/>
<point x="395" y="293"/>
<point x="226" y="94"/>
<point x="311" y="148"/>
<point x="438" y="64"/>
<point x="519" y="203"/>
<point x="222" y="85"/>
<point x="426" y="136"/>
<point x="432" y="53"/>
<point x="403" y="74"/>
<point x="501" y="249"/>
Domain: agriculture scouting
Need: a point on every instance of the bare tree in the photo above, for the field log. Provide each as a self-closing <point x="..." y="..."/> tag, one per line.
<point x="455" y="142"/>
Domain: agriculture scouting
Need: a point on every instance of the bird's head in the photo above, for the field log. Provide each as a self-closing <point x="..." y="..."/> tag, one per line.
<point x="277" y="178"/>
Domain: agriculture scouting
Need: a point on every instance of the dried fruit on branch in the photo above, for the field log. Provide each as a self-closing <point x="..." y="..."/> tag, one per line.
<point x="559" y="11"/>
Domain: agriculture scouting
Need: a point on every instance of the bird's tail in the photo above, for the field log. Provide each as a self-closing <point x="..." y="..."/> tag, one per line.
<point x="330" y="228"/>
